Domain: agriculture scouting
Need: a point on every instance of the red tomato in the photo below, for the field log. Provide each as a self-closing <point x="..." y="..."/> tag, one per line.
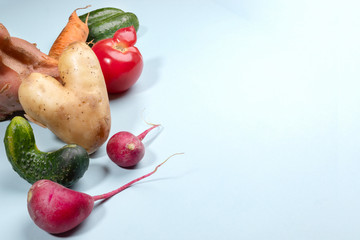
<point x="121" y="62"/>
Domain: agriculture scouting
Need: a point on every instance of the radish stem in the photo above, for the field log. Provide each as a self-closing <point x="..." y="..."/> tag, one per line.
<point x="142" y="135"/>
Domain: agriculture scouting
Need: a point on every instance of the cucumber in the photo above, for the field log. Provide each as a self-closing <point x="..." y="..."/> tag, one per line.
<point x="104" y="22"/>
<point x="106" y="29"/>
<point x="99" y="14"/>
<point x="64" y="166"/>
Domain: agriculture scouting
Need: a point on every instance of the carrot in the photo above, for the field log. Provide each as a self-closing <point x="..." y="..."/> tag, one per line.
<point x="75" y="30"/>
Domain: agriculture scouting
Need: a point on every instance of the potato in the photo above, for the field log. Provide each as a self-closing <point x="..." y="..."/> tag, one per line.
<point x="76" y="111"/>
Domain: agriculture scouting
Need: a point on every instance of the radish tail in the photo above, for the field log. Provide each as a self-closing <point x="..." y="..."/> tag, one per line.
<point x="116" y="191"/>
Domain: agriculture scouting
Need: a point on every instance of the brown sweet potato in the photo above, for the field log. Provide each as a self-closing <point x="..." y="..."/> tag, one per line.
<point x="19" y="58"/>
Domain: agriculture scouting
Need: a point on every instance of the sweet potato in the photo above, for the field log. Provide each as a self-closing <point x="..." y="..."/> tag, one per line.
<point x="19" y="58"/>
<point x="9" y="85"/>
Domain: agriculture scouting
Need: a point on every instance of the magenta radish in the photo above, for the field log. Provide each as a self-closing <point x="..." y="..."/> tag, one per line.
<point x="57" y="209"/>
<point x="125" y="149"/>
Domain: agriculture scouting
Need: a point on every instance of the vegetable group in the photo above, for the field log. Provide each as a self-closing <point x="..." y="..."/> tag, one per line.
<point x="121" y="62"/>
<point x="64" y="166"/>
<point x="125" y="149"/>
<point x="77" y="111"/>
<point x="104" y="22"/>
<point x="67" y="92"/>
<point x="57" y="209"/>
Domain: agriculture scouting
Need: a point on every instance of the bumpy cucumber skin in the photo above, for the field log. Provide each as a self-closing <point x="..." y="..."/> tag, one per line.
<point x="104" y="22"/>
<point x="99" y="14"/>
<point x="64" y="166"/>
<point x="106" y="29"/>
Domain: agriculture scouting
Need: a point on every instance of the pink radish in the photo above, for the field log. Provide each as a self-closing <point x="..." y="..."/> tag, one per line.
<point x="125" y="149"/>
<point x="57" y="209"/>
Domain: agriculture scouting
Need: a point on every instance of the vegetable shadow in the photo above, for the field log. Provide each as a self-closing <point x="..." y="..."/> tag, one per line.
<point x="141" y="31"/>
<point x="113" y="96"/>
<point x="149" y="76"/>
<point x="151" y="136"/>
<point x="32" y="232"/>
<point x="95" y="174"/>
<point x="12" y="182"/>
<point x="101" y="152"/>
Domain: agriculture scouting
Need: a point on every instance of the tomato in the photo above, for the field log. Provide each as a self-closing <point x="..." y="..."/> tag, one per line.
<point x="121" y="62"/>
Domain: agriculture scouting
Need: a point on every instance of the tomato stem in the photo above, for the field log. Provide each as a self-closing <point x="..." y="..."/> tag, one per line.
<point x="120" y="48"/>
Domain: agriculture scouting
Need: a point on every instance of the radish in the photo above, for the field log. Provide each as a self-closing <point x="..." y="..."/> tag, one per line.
<point x="57" y="209"/>
<point x="125" y="149"/>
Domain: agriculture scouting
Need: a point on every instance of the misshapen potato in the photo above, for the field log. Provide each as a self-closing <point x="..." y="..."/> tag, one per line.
<point x="76" y="111"/>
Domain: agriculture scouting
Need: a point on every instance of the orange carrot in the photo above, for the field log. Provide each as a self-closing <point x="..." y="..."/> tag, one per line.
<point x="75" y="30"/>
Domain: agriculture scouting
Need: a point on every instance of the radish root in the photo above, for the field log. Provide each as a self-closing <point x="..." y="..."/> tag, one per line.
<point x="116" y="191"/>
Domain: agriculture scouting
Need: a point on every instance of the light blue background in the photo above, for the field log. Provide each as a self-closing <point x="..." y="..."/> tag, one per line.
<point x="263" y="98"/>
